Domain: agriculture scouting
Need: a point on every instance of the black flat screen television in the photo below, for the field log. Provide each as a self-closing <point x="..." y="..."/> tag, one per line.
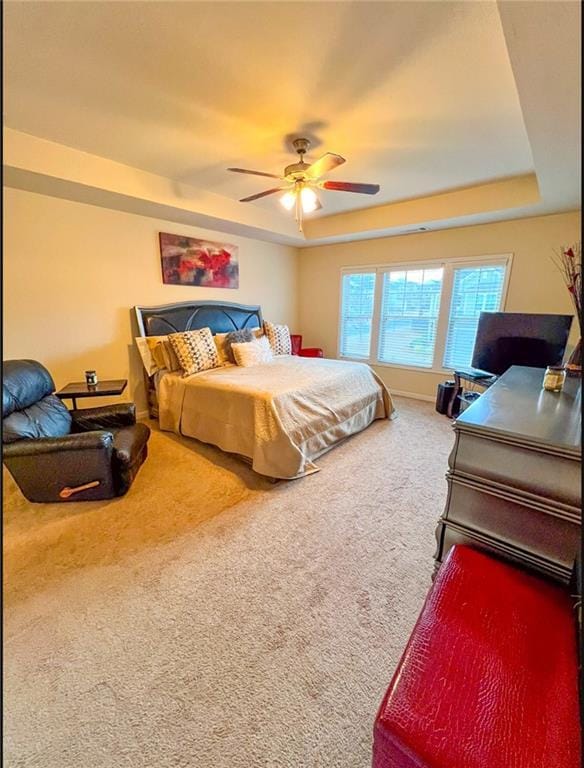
<point x="515" y="338"/>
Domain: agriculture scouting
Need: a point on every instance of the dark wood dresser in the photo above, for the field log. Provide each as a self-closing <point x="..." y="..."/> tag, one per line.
<point x="514" y="482"/>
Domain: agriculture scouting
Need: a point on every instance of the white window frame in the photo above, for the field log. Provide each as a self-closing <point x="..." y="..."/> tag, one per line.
<point x="448" y="265"/>
<point x="357" y="271"/>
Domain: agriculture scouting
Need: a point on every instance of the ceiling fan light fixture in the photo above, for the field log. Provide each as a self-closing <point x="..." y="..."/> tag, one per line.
<point x="299" y="196"/>
<point x="288" y="200"/>
<point x="308" y="199"/>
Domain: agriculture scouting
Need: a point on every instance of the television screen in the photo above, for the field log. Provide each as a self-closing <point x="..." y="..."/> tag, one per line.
<point x="516" y="338"/>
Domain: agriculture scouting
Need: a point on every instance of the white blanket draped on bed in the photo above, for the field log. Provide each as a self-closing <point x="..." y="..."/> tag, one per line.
<point x="281" y="415"/>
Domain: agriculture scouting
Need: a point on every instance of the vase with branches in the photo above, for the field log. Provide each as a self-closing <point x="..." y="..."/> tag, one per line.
<point x="569" y="262"/>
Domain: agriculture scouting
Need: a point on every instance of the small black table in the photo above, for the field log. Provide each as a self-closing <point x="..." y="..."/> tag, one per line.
<point x="462" y="395"/>
<point x="102" y="389"/>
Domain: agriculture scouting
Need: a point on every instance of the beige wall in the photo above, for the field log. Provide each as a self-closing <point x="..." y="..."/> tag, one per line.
<point x="535" y="284"/>
<point x="72" y="273"/>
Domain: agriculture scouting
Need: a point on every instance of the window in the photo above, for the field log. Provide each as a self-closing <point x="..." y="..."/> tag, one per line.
<point x="419" y="315"/>
<point x="409" y="316"/>
<point x="358" y="295"/>
<point x="474" y="290"/>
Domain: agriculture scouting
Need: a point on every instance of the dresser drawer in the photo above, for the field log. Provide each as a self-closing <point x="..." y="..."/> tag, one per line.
<point x="553" y="534"/>
<point x="451" y="534"/>
<point x="546" y="474"/>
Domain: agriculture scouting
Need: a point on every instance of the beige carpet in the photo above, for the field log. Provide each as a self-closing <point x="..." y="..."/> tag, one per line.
<point x="210" y="618"/>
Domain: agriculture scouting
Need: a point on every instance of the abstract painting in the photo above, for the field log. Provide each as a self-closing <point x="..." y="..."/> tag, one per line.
<point x="188" y="261"/>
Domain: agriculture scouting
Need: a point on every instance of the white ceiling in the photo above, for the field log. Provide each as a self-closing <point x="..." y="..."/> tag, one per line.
<point x="420" y="97"/>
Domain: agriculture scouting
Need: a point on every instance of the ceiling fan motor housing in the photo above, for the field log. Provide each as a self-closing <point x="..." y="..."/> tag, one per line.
<point x="304" y="178"/>
<point x="295" y="171"/>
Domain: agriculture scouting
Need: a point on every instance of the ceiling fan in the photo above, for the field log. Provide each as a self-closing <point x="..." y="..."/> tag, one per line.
<point x="302" y="181"/>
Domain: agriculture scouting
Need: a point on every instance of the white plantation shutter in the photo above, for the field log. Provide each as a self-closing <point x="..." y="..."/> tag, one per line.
<point x="475" y="289"/>
<point x="410" y="306"/>
<point x="357" y="302"/>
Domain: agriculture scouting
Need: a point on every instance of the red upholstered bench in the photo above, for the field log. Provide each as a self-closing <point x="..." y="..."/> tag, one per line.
<point x="489" y="677"/>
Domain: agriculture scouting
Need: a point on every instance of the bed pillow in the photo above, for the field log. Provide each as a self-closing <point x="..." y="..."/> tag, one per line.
<point x="253" y="352"/>
<point x="279" y="338"/>
<point x="195" y="350"/>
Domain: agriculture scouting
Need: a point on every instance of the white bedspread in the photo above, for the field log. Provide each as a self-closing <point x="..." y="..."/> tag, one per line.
<point x="281" y="415"/>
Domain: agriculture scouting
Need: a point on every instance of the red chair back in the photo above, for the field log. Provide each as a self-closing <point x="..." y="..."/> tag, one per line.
<point x="296" y="340"/>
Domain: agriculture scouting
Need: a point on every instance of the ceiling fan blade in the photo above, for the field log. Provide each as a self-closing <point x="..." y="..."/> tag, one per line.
<point x="349" y="186"/>
<point x="254" y="173"/>
<point x="262" y="194"/>
<point x="323" y="165"/>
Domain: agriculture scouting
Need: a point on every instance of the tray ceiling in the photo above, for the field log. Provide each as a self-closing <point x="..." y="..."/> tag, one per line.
<point x="420" y="97"/>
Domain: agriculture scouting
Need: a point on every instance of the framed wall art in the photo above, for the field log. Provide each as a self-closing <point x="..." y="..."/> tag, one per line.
<point x="201" y="263"/>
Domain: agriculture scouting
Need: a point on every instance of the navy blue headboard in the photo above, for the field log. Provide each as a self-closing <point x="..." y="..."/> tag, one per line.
<point x="219" y="316"/>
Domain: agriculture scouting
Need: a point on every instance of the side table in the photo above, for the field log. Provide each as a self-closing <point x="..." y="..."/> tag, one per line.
<point x="78" y="389"/>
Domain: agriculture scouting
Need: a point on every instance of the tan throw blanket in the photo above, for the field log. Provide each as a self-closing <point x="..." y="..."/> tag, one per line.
<point x="281" y="415"/>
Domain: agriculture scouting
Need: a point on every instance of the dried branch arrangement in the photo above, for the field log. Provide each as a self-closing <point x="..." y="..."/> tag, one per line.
<point x="569" y="262"/>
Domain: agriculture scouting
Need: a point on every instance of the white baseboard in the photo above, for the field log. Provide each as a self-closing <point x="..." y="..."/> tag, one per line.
<point x="412" y="395"/>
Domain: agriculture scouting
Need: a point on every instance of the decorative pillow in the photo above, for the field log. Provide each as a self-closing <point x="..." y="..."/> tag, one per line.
<point x="224" y="348"/>
<point x="237" y="337"/>
<point x="168" y="355"/>
<point x="279" y="338"/>
<point x="195" y="350"/>
<point x="219" y="339"/>
<point x="252" y="352"/>
<point x="157" y="353"/>
<point x="146" y="346"/>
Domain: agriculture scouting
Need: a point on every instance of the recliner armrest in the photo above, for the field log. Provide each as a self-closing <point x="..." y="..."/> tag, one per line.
<point x="83" y="441"/>
<point x="104" y="417"/>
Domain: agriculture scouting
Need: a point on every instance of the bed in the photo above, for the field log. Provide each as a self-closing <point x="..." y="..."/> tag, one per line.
<point x="279" y="416"/>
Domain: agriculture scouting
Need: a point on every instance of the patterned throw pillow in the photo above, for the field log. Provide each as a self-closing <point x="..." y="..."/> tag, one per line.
<point x="196" y="350"/>
<point x="252" y="352"/>
<point x="279" y="338"/>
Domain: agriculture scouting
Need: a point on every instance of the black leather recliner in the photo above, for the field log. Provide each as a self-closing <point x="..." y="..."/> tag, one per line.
<point x="59" y="455"/>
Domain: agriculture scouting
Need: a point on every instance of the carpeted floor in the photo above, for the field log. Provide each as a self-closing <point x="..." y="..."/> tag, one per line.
<point x="212" y="619"/>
